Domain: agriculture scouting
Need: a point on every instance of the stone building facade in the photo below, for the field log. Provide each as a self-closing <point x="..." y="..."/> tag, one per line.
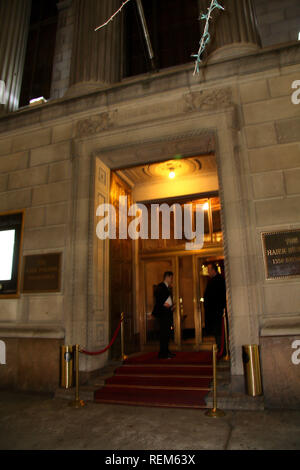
<point x="56" y="160"/>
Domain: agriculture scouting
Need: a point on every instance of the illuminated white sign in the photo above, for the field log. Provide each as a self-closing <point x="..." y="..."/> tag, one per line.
<point x="2" y="92"/>
<point x="7" y="243"/>
<point x="2" y="353"/>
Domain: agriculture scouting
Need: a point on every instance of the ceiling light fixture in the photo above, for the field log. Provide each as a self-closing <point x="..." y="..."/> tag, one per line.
<point x="172" y="174"/>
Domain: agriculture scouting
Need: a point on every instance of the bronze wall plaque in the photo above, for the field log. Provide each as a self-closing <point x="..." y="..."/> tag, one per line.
<point x="42" y="273"/>
<point x="281" y="253"/>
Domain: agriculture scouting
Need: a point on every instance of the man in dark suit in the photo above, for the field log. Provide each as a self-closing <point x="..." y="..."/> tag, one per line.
<point x="214" y="303"/>
<point x="163" y="311"/>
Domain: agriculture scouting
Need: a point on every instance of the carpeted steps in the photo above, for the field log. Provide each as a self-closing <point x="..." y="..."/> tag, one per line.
<point x="145" y="380"/>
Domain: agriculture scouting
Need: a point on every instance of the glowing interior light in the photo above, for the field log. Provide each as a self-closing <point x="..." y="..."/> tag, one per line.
<point x="299" y="36"/>
<point x="7" y="242"/>
<point x="172" y="174"/>
<point x="206" y="206"/>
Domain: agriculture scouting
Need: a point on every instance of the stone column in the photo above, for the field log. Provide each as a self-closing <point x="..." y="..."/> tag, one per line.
<point x="233" y="31"/>
<point x="63" y="49"/>
<point x="96" y="56"/>
<point x="14" y="18"/>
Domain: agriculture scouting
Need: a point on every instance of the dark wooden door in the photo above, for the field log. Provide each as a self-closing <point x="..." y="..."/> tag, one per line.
<point x="121" y="276"/>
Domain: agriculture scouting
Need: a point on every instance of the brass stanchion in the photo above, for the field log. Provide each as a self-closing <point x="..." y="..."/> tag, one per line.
<point x="227" y="357"/>
<point x="124" y="357"/>
<point x="77" y="403"/>
<point x="215" y="412"/>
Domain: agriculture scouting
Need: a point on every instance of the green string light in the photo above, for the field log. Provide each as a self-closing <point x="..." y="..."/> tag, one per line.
<point x="206" y="36"/>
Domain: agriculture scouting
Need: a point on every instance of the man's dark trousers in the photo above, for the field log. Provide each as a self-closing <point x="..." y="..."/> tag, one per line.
<point x="165" y="323"/>
<point x="164" y="316"/>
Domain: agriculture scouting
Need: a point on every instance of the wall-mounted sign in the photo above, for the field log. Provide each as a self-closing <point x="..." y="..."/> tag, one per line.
<point x="42" y="273"/>
<point x="281" y="253"/>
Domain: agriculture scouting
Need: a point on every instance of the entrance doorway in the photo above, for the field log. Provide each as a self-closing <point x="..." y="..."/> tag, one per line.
<point x="152" y="184"/>
<point x="190" y="279"/>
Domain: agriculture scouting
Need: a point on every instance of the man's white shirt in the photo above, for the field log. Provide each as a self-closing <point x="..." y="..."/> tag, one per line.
<point x="169" y="299"/>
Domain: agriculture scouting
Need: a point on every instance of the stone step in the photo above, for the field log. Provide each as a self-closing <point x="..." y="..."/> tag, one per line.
<point x="235" y="401"/>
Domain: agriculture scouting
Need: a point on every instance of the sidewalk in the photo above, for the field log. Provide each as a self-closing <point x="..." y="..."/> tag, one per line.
<point x="37" y="422"/>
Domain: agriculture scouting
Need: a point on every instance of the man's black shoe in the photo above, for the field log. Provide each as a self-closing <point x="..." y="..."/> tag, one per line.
<point x="170" y="354"/>
<point x="164" y="356"/>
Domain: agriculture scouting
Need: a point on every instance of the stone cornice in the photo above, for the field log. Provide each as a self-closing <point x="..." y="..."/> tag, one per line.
<point x="150" y="85"/>
<point x="15" y="330"/>
<point x="289" y="326"/>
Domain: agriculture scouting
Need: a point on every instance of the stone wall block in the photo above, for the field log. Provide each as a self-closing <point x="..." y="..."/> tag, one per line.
<point x="14" y="200"/>
<point x="267" y="185"/>
<point x="277" y="157"/>
<point x="254" y="91"/>
<point x="278" y="211"/>
<point x="31" y="140"/>
<point x="28" y="178"/>
<point x="57" y="214"/>
<point x="14" y="162"/>
<point x="49" y="154"/>
<point x="261" y="135"/>
<point x="275" y="109"/>
<point x="288" y="130"/>
<point x="292" y="180"/>
<point x="34" y="217"/>
<point x="60" y="171"/>
<point x="51" y="193"/>
<point x="45" y="238"/>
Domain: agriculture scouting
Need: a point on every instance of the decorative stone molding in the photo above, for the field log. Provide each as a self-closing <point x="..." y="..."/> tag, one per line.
<point x="208" y="99"/>
<point x="31" y="331"/>
<point x="200" y="141"/>
<point x="98" y="123"/>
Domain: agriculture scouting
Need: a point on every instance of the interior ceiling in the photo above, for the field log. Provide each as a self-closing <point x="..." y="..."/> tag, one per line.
<point x="183" y="167"/>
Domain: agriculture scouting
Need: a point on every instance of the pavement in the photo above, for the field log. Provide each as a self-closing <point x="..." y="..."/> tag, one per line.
<point x="42" y="422"/>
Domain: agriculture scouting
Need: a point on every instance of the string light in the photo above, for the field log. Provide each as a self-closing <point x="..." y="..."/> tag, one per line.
<point x="112" y="17"/>
<point x="206" y="36"/>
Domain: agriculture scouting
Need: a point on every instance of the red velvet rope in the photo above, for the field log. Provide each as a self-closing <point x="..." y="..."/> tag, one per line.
<point x="220" y="353"/>
<point x="95" y="353"/>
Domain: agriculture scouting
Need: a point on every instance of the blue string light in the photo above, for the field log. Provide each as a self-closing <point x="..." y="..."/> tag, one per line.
<point x="206" y="36"/>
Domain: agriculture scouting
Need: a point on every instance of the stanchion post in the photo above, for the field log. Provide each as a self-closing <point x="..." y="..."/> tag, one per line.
<point x="215" y="412"/>
<point x="77" y="403"/>
<point x="124" y="357"/>
<point x="227" y="357"/>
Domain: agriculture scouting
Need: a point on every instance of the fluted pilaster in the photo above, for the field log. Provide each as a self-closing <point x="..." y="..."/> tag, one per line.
<point x="234" y="31"/>
<point x="14" y="26"/>
<point x="96" y="57"/>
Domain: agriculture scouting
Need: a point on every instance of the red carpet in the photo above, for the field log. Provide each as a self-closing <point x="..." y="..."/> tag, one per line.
<point x="145" y="380"/>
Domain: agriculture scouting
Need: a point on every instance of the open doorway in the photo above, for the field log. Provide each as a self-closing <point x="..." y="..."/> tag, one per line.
<point x="191" y="180"/>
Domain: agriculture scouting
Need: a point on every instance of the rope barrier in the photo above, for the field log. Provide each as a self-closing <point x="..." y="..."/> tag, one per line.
<point x="77" y="403"/>
<point x="95" y="353"/>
